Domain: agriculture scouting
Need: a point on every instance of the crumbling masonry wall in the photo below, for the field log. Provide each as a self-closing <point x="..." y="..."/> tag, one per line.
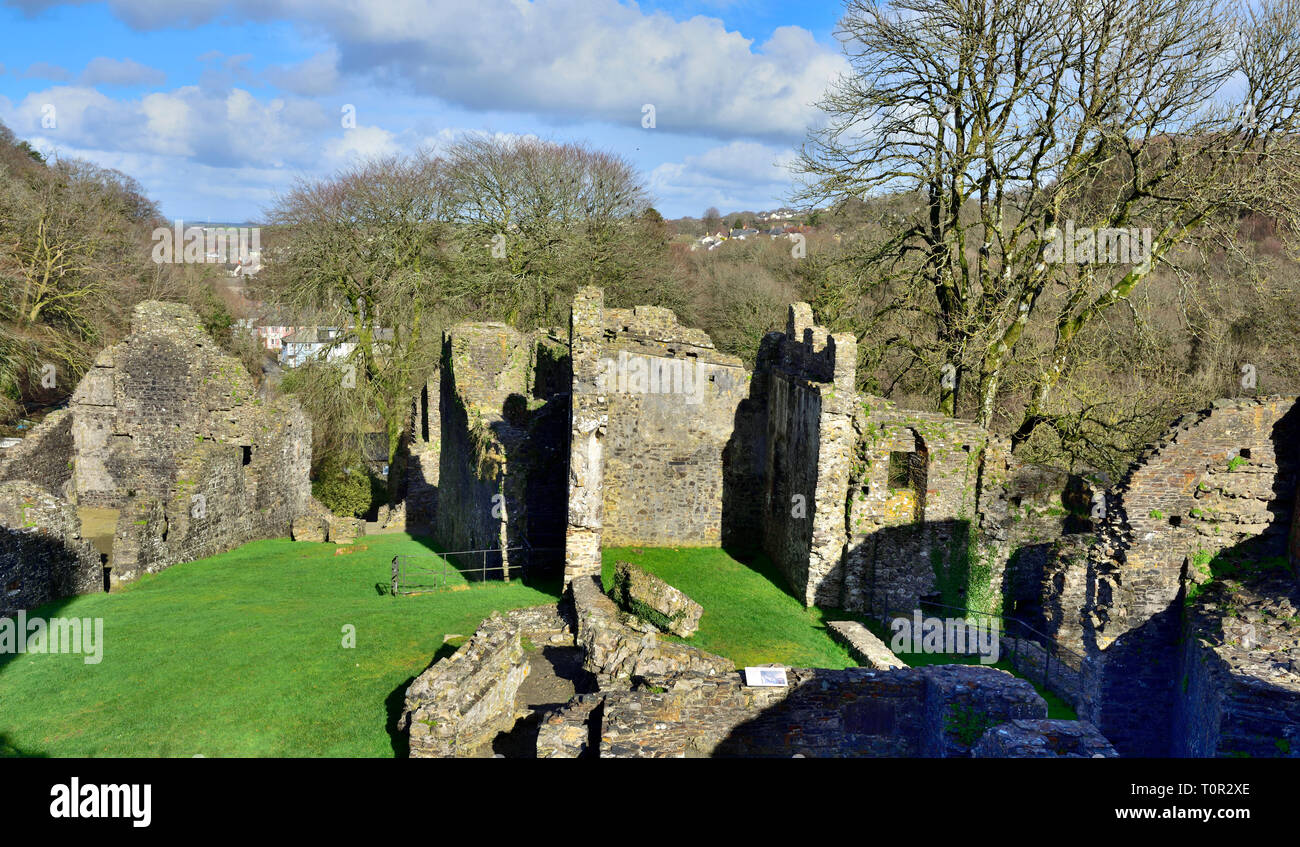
<point x="808" y="379"/>
<point x="501" y="454"/>
<point x="654" y="406"/>
<point x="42" y="554"/>
<point x="167" y="436"/>
<point x="864" y="506"/>
<point x="423" y="444"/>
<point x="1222" y="481"/>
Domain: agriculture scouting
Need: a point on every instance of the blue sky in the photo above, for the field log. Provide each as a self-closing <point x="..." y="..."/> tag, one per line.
<point x="215" y="106"/>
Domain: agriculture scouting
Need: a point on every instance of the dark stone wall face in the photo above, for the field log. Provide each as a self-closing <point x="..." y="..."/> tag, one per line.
<point x="42" y="554"/>
<point x="1238" y="691"/>
<point x="935" y="712"/>
<point x="1222" y="482"/>
<point x="44" y="456"/>
<point x="501" y="451"/>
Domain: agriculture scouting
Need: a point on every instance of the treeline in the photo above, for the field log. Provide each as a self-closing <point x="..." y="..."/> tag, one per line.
<point x="74" y="260"/>
<point x="395" y="250"/>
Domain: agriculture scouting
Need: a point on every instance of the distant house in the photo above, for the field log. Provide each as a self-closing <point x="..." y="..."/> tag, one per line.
<point x="306" y="343"/>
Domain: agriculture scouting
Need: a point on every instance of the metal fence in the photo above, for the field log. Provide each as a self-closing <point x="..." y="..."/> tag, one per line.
<point x="1015" y="630"/>
<point x="418" y="574"/>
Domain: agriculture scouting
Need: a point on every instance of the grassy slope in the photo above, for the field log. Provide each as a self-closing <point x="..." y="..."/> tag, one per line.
<point x="750" y="618"/>
<point x="241" y="655"/>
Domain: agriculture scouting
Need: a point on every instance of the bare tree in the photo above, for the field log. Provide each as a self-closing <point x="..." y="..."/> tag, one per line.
<point x="360" y="252"/>
<point x="1011" y="123"/>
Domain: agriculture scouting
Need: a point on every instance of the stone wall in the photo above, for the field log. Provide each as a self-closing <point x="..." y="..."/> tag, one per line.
<point x="914" y="513"/>
<point x="169" y="430"/>
<point x="423" y="447"/>
<point x="502" y="451"/>
<point x="869" y="507"/>
<point x="1044" y="739"/>
<point x="461" y="703"/>
<point x="42" y="554"/>
<point x="167" y="436"/>
<point x="937" y="711"/>
<point x="1222" y="480"/>
<point x="808" y="381"/>
<point x="1238" y="692"/>
<point x="616" y="651"/>
<point x="654" y="406"/>
<point x="44" y="456"/>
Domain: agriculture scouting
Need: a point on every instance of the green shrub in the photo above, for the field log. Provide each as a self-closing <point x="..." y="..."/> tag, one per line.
<point x="344" y="491"/>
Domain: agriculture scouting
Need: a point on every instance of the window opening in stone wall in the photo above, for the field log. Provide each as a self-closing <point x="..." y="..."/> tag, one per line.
<point x="899" y="470"/>
<point x="424" y="413"/>
<point x="247" y="454"/>
<point x="910" y="472"/>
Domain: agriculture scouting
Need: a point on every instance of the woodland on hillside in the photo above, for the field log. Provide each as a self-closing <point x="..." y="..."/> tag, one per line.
<point x="950" y="162"/>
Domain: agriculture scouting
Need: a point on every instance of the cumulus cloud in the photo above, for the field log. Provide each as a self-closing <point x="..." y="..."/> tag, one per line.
<point x="575" y="59"/>
<point x="312" y="78"/>
<point x="44" y="70"/>
<point x="227" y="129"/>
<point x="106" y="71"/>
<point x="738" y="175"/>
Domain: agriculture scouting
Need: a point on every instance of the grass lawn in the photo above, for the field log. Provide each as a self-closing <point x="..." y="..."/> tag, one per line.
<point x="242" y="655"/>
<point x="750" y="617"/>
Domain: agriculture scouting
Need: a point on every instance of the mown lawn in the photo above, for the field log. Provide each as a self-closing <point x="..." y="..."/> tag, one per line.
<point x="242" y="655"/>
<point x="750" y="618"/>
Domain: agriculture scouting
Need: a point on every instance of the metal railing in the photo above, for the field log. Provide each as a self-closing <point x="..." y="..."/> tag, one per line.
<point x="1050" y="646"/>
<point x="426" y="572"/>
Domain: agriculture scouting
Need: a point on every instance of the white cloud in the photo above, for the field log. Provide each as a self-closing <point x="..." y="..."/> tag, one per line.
<point x="570" y="59"/>
<point x="312" y="78"/>
<point x="359" y="144"/>
<point x="221" y="129"/>
<point x="106" y="71"/>
<point x="44" y="70"/>
<point x="739" y="175"/>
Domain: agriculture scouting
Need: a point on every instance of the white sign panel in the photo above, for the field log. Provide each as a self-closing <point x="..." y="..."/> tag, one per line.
<point x="771" y="677"/>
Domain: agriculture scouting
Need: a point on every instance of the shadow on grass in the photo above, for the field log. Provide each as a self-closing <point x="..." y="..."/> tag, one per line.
<point x="45" y="612"/>
<point x="395" y="704"/>
<point x="759" y="563"/>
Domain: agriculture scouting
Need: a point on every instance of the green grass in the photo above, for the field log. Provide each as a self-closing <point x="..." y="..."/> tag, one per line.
<point x="750" y="618"/>
<point x="241" y="655"/>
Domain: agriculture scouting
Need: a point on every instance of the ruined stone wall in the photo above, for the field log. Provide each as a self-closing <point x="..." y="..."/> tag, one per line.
<point x="873" y="508"/>
<point x="168" y="430"/>
<point x="42" y="554"/>
<point x="1238" y="692"/>
<point x="808" y="382"/>
<point x="44" y="456"/>
<point x="502" y="452"/>
<point x="423" y="443"/>
<point x="654" y="407"/>
<point x="914" y="513"/>
<point x="1223" y="480"/>
<point x="937" y="711"/>
<point x="461" y="703"/>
